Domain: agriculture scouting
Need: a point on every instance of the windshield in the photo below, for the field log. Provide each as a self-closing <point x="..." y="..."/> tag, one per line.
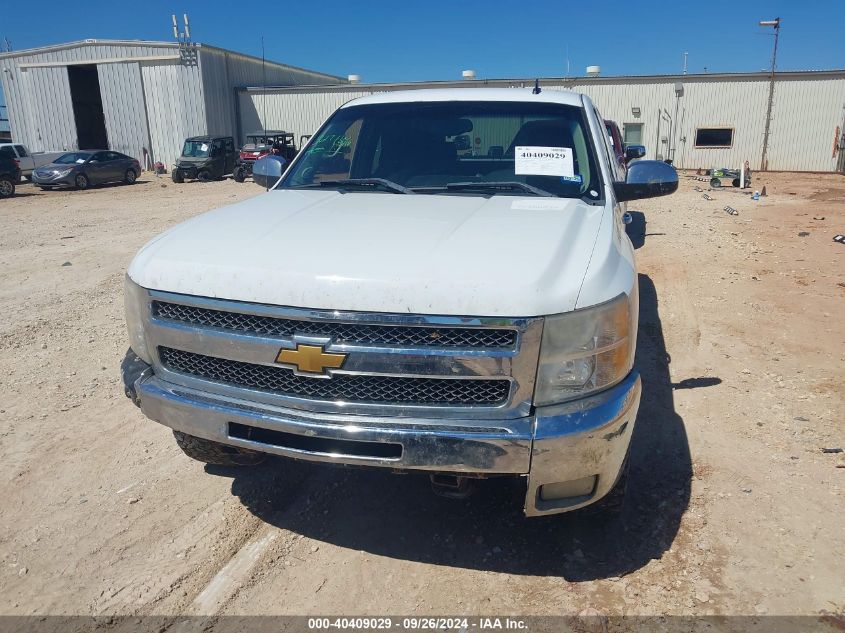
<point x="73" y="157"/>
<point x="496" y="148"/>
<point x="196" y="149"/>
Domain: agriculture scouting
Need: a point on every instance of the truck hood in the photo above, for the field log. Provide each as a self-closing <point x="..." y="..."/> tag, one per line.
<point x="378" y="252"/>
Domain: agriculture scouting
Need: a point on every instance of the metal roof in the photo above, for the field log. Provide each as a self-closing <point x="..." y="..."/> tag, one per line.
<point x="151" y="43"/>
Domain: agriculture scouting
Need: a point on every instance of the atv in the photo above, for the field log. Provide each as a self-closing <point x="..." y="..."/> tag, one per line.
<point x="260" y="144"/>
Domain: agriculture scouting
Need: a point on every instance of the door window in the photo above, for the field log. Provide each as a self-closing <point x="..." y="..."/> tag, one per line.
<point x="100" y="157"/>
<point x="21" y="150"/>
<point x="230" y="145"/>
<point x="633" y="133"/>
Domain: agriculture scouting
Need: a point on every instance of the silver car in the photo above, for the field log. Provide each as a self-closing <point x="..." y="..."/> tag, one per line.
<point x="86" y="168"/>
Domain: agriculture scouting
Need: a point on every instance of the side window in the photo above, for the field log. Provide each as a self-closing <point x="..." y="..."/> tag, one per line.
<point x="230" y="145"/>
<point x="331" y="157"/>
<point x="21" y="150"/>
<point x="100" y="157"/>
<point x="113" y="156"/>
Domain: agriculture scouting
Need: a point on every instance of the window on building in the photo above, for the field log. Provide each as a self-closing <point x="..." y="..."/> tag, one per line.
<point x="632" y="133"/>
<point x="714" y="137"/>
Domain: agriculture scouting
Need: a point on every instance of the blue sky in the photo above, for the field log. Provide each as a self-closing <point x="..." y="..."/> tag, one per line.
<point x="410" y="41"/>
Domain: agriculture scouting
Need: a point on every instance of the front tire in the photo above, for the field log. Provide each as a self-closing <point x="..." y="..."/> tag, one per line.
<point x="215" y="453"/>
<point x="81" y="181"/>
<point x="176" y="176"/>
<point x="239" y="175"/>
<point x="130" y="177"/>
<point x="7" y="188"/>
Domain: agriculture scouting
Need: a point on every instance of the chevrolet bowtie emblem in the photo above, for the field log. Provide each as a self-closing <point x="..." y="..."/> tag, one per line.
<point x="310" y="359"/>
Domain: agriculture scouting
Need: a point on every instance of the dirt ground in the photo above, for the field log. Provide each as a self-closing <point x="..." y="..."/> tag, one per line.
<point x="733" y="509"/>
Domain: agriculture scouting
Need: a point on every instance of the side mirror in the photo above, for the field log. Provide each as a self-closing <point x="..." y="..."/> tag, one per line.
<point x="647" y="179"/>
<point x="633" y="152"/>
<point x="267" y="170"/>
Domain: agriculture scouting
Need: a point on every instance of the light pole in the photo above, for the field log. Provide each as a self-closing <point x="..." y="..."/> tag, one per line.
<point x="764" y="163"/>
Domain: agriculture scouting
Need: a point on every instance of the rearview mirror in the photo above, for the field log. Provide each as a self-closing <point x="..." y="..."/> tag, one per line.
<point x="633" y="152"/>
<point x="647" y="179"/>
<point x="267" y="170"/>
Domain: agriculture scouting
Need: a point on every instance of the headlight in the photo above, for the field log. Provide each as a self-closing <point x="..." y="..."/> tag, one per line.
<point x="63" y="172"/>
<point x="586" y="350"/>
<point x="137" y="304"/>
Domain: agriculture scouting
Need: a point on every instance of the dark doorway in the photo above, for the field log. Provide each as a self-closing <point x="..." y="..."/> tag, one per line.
<point x="87" y="107"/>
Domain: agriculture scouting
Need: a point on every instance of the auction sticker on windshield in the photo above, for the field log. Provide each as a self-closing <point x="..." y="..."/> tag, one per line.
<point x="543" y="161"/>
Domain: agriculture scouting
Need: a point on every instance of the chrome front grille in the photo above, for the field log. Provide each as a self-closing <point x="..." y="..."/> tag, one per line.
<point x="341" y="387"/>
<point x="339" y="333"/>
<point x="438" y="368"/>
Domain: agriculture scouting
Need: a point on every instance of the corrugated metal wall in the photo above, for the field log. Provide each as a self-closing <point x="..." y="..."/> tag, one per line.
<point x="298" y="112"/>
<point x="124" y="108"/>
<point x="39" y="102"/>
<point x="175" y="107"/>
<point x="806" y="111"/>
<point x="223" y="71"/>
<point x="151" y="104"/>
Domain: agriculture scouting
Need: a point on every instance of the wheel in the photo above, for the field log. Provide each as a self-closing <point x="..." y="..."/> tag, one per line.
<point x="204" y="176"/>
<point x="735" y="182"/>
<point x="81" y="181"/>
<point x="176" y="176"/>
<point x="215" y="453"/>
<point x="130" y="177"/>
<point x="239" y="175"/>
<point x="7" y="188"/>
<point x="715" y="182"/>
<point x="610" y="506"/>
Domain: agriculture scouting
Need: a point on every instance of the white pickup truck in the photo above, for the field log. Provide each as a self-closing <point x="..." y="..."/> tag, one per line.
<point x="26" y="160"/>
<point x="440" y="282"/>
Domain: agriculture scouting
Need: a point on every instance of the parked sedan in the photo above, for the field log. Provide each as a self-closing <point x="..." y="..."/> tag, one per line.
<point x="83" y="169"/>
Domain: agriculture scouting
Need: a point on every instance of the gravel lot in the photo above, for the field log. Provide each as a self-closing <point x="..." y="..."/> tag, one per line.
<point x="734" y="507"/>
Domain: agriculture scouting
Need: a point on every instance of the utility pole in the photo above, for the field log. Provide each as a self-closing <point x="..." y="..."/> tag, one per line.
<point x="764" y="162"/>
<point x="685" y="62"/>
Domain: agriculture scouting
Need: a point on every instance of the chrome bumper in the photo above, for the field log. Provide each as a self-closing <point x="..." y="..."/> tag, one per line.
<point x="565" y="443"/>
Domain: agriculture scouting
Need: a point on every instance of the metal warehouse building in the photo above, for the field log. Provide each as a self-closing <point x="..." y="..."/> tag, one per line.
<point x="702" y="120"/>
<point x="139" y="98"/>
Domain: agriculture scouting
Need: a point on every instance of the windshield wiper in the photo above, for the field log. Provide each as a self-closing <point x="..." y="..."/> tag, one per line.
<point x="504" y="186"/>
<point x="359" y="182"/>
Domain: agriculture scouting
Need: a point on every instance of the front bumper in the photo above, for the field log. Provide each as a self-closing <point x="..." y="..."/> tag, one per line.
<point x="584" y="440"/>
<point x="52" y="181"/>
<point x="189" y="172"/>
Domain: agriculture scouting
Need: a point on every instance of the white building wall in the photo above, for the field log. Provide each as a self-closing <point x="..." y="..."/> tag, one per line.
<point x="175" y="107"/>
<point x="805" y="117"/>
<point x="38" y="98"/>
<point x="299" y="112"/>
<point x="807" y="109"/>
<point x="124" y="109"/>
<point x="223" y="71"/>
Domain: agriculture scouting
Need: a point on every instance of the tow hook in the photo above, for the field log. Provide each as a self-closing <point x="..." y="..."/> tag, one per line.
<point x="452" y="486"/>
